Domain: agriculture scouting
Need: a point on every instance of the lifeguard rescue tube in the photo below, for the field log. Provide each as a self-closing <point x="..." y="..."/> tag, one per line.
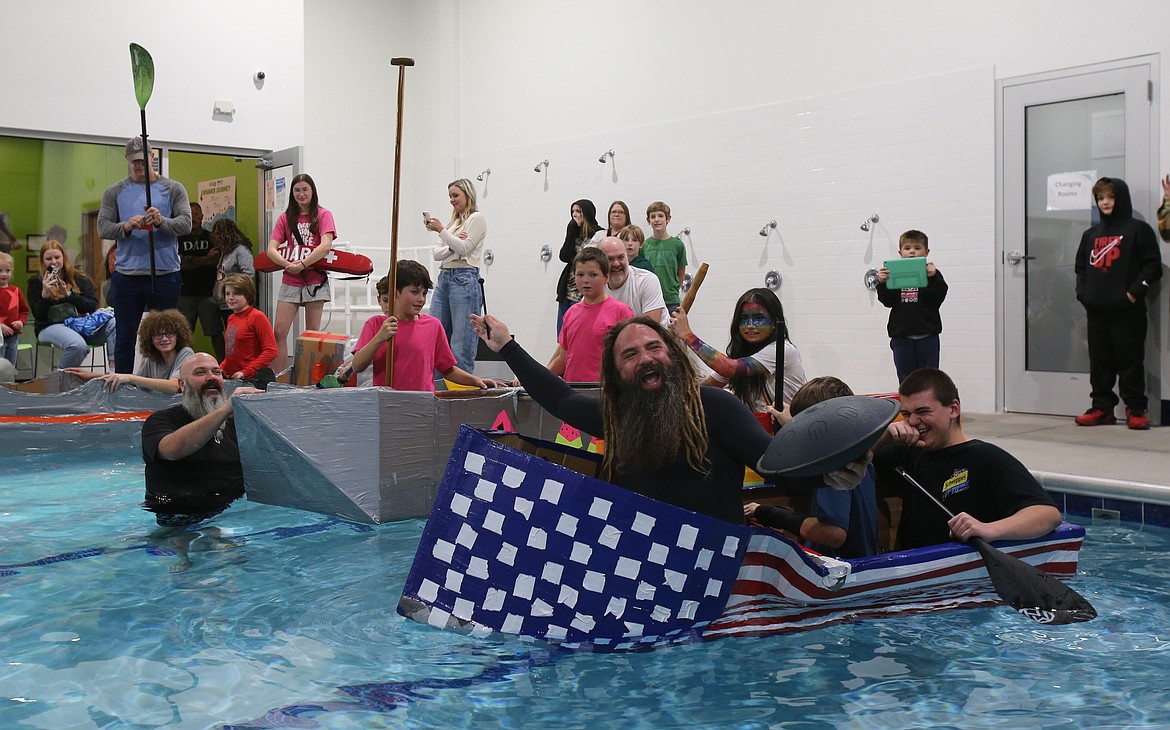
<point x="337" y="260"/>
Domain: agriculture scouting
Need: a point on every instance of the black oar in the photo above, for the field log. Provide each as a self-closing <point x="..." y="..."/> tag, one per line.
<point x="1024" y="587"/>
<point x="142" y="66"/>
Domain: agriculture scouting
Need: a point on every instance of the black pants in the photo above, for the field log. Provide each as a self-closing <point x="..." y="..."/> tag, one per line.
<point x="1117" y="352"/>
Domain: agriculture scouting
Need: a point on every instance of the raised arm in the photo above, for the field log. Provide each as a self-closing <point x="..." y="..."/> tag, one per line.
<point x="725" y="366"/>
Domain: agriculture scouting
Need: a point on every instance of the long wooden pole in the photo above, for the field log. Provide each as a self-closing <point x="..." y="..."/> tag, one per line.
<point x="693" y="292"/>
<point x="401" y="63"/>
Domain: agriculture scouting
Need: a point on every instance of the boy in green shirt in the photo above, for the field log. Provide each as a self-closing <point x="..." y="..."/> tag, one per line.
<point x="667" y="254"/>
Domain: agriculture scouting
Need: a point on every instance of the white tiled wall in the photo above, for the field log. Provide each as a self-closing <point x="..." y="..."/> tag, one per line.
<point x="918" y="153"/>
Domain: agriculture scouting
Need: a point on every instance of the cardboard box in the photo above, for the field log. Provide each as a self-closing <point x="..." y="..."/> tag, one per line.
<point x="318" y="354"/>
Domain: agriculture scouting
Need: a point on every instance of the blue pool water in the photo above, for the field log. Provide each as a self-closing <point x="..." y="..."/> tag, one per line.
<point x="297" y="628"/>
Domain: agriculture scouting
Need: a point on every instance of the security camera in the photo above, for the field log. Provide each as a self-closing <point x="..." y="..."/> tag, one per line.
<point x="258" y="76"/>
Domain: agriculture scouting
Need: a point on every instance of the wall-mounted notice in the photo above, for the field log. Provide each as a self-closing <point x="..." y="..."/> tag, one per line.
<point x="1071" y="190"/>
<point x="218" y="199"/>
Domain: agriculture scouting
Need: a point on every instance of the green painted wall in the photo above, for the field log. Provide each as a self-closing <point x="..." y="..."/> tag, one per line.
<point x="20" y="194"/>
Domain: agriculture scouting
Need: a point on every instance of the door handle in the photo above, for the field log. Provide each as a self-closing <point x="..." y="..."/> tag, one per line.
<point x="1015" y="257"/>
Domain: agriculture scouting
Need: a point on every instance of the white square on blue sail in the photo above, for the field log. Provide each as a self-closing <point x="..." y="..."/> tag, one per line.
<point x="494" y="600"/>
<point x="473" y="463"/>
<point x="730" y="545"/>
<point x="494" y="521"/>
<point x="600" y="508"/>
<point x="566" y="525"/>
<point x="616" y="607"/>
<point x="485" y="490"/>
<point x="428" y="590"/>
<point x="581" y="553"/>
<point x="507" y="554"/>
<point x="703" y="561"/>
<point x="713" y="587"/>
<point x="477" y="568"/>
<point x="628" y="568"/>
<point x="460" y="503"/>
<point x="540" y="609"/>
<point x="552" y="571"/>
<point x="537" y="538"/>
<point x="568" y="596"/>
<point x="643" y="523"/>
<point x="658" y="553"/>
<point x="523" y="586"/>
<point x="553" y="633"/>
<point x="593" y="581"/>
<point x="687" y="534"/>
<point x="632" y="629"/>
<point x="582" y="622"/>
<point x="438" y="617"/>
<point x="454" y="581"/>
<point x="523" y="506"/>
<point x="675" y="579"/>
<point x="687" y="610"/>
<point x="512" y="624"/>
<point x="659" y="614"/>
<point x="610" y="536"/>
<point x="551" y="491"/>
<point x="443" y="550"/>
<point x="645" y="591"/>
<point x="466" y="536"/>
<point x="463" y="608"/>
<point x="512" y="477"/>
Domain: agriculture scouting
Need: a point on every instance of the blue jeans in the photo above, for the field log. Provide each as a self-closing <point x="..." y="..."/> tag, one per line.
<point x="456" y="298"/>
<point x="131" y="297"/>
<point x="909" y="355"/>
<point x="10" y="349"/>
<point x="74" y="348"/>
<point x="562" y="307"/>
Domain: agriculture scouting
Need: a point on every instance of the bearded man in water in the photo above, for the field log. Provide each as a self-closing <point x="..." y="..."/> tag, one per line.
<point x="666" y="437"/>
<point x="193" y="469"/>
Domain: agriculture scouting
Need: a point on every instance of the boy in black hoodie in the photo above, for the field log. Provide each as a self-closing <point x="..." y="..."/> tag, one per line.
<point x="1116" y="263"/>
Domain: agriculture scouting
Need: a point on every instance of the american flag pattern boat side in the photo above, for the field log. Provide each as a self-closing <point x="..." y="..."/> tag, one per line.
<point x="519" y="545"/>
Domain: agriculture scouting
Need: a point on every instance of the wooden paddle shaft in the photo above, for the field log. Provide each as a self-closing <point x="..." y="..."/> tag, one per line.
<point x="392" y="292"/>
<point x="697" y="282"/>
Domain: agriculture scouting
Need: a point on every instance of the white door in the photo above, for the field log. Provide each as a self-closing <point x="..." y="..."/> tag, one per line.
<point x="1057" y="131"/>
<point x="276" y="173"/>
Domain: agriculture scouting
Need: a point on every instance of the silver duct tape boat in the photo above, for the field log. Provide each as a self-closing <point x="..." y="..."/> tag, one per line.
<point x="370" y="455"/>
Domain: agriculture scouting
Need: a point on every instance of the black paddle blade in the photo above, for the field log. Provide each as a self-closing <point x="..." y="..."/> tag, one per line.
<point x="1031" y="591"/>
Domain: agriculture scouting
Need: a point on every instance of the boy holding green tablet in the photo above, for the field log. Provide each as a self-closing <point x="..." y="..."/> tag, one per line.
<point x="915" y="323"/>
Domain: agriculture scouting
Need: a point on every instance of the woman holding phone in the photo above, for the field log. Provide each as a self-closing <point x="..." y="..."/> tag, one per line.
<point x="457" y="293"/>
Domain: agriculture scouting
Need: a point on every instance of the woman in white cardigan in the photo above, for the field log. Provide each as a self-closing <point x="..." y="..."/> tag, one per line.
<point x="457" y="293"/>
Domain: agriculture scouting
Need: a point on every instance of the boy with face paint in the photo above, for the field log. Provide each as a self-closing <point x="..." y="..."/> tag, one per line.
<point x="915" y="323"/>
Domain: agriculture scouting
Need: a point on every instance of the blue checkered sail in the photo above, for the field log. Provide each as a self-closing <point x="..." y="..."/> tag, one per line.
<point x="519" y="545"/>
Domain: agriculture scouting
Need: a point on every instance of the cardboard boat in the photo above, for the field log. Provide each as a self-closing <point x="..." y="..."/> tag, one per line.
<point x="370" y="455"/>
<point x="518" y="543"/>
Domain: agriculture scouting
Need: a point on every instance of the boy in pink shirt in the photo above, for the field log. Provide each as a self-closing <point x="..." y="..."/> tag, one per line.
<point x="578" y="355"/>
<point x="420" y="344"/>
<point x="248" y="339"/>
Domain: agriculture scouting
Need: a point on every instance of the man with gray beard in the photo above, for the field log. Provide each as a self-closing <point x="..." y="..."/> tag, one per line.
<point x="666" y="437"/>
<point x="193" y="469"/>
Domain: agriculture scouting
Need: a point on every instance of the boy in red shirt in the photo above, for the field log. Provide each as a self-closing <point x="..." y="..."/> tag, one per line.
<point x="13" y="310"/>
<point x="248" y="339"/>
<point x="578" y="355"/>
<point x="420" y="344"/>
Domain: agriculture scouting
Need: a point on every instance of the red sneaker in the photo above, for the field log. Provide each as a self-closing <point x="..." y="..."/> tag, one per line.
<point x="1137" y="420"/>
<point x="1097" y="417"/>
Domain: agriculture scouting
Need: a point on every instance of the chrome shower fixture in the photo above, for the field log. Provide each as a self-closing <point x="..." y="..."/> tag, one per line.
<point x="542" y="165"/>
<point x="865" y="225"/>
<point x="768" y="228"/>
<point x="484" y="175"/>
<point x="604" y="155"/>
<point x="686" y="231"/>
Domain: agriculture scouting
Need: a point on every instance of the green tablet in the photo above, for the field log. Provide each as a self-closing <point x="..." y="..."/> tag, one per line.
<point x="906" y="273"/>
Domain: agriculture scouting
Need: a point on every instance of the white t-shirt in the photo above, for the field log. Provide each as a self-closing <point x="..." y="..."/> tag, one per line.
<point x="794" y="376"/>
<point x="641" y="293"/>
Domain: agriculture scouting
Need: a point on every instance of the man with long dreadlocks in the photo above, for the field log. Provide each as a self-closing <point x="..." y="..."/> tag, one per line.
<point x="666" y="437"/>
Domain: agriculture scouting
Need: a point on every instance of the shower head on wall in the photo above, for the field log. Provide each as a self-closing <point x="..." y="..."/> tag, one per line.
<point x="542" y="165"/>
<point x="867" y="224"/>
<point x="484" y="175"/>
<point x="768" y="228"/>
<point x="605" y="155"/>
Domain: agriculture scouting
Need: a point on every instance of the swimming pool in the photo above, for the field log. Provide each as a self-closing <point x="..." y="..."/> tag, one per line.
<point x="297" y="628"/>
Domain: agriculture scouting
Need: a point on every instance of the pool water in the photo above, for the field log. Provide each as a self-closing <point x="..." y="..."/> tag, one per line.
<point x="297" y="627"/>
